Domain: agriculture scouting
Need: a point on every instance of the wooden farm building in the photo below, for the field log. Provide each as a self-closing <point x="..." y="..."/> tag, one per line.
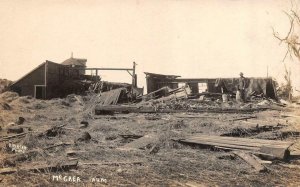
<point x="50" y="79"/>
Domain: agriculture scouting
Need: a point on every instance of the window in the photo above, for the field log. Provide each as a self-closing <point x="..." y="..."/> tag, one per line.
<point x="202" y="87"/>
<point x="181" y="84"/>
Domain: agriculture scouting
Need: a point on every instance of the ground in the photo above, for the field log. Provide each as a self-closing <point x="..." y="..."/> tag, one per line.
<point x="103" y="160"/>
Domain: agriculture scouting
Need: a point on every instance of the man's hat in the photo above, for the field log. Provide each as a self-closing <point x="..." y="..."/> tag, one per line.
<point x="241" y="74"/>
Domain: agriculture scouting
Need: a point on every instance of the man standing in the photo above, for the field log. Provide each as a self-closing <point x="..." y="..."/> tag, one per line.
<point x="240" y="95"/>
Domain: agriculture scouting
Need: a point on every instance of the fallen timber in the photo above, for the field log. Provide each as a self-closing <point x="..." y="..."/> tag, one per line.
<point x="43" y="168"/>
<point x="111" y="109"/>
<point x="270" y="148"/>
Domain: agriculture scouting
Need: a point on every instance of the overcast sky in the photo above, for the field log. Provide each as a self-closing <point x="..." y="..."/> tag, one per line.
<point x="191" y="38"/>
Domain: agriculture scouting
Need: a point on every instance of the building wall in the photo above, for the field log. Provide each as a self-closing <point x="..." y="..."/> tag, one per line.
<point x="154" y="84"/>
<point x="57" y="78"/>
<point x="54" y="78"/>
<point x="25" y="86"/>
<point x="61" y="80"/>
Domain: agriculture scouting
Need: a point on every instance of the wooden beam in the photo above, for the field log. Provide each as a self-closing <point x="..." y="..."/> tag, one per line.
<point x="43" y="168"/>
<point x="107" y="69"/>
<point x="251" y="161"/>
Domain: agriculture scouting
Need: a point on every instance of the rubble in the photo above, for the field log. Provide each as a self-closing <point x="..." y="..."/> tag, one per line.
<point x="113" y="132"/>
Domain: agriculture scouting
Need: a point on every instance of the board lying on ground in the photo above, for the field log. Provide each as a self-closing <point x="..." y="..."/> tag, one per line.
<point x="42" y="168"/>
<point x="272" y="148"/>
<point x="111" y="109"/>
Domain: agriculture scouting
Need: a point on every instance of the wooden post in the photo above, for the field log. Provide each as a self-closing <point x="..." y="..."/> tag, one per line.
<point x="134" y="83"/>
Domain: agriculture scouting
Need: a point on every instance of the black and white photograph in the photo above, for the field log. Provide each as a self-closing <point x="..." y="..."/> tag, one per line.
<point x="128" y="93"/>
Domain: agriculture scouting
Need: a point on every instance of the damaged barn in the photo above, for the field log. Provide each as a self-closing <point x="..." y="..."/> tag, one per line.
<point x="263" y="87"/>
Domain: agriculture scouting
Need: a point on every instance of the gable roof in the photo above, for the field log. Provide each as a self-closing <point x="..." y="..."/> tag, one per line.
<point x="28" y="73"/>
<point x="47" y="61"/>
<point x="75" y="61"/>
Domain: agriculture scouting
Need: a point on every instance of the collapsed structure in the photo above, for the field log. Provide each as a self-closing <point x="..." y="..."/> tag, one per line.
<point x="254" y="86"/>
<point x="52" y="80"/>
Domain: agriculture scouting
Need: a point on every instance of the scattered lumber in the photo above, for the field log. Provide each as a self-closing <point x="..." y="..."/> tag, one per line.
<point x="291" y="166"/>
<point x="54" y="167"/>
<point x="132" y="136"/>
<point x="194" y="116"/>
<point x="174" y="94"/>
<point x="6" y="138"/>
<point x="110" y="97"/>
<point x="111" y="109"/>
<point x="156" y="94"/>
<point x="252" y="129"/>
<point x="5" y="171"/>
<point x="57" y="145"/>
<point x="52" y="131"/>
<point x="243" y="118"/>
<point x="140" y="143"/>
<point x="74" y="152"/>
<point x="251" y="160"/>
<point x="289" y="115"/>
<point x="274" y="148"/>
<point x="114" y="163"/>
<point x="154" y="149"/>
<point x="16" y="130"/>
<point x="43" y="168"/>
<point x="20" y="157"/>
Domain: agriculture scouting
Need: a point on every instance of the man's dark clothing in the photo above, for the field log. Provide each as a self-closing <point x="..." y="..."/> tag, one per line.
<point x="242" y="83"/>
<point x="241" y="88"/>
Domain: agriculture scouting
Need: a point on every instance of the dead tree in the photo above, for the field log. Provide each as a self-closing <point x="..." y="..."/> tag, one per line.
<point x="291" y="39"/>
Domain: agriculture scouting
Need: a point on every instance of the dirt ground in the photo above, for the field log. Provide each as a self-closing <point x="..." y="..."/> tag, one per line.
<point x="163" y="162"/>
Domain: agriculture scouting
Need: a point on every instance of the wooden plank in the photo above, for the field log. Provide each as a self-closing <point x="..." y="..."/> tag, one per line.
<point x="110" y="97"/>
<point x="43" y="168"/>
<point x="251" y="161"/>
<point x="243" y="118"/>
<point x="279" y="152"/>
<point x="193" y="116"/>
<point x="60" y="144"/>
<point x="5" y="171"/>
<point x="113" y="163"/>
<point x="132" y="136"/>
<point x="53" y="168"/>
<point x="228" y="146"/>
<point x="244" y="140"/>
<point x="6" y="138"/>
<point x="289" y="115"/>
<point x="110" y="109"/>
<point x="277" y="149"/>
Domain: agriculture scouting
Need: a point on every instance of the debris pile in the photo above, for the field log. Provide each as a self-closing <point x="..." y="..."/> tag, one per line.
<point x="167" y="137"/>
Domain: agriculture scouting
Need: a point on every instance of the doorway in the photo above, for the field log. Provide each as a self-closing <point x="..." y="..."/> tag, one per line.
<point x="40" y="91"/>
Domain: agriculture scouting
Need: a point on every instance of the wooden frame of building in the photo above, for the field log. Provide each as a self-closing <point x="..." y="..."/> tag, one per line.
<point x="211" y="85"/>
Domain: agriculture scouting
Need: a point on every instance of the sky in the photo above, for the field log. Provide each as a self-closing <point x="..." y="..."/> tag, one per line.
<point x="191" y="38"/>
